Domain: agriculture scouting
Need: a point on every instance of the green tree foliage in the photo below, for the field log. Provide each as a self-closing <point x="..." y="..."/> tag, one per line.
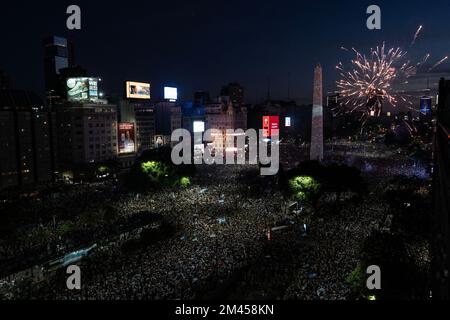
<point x="304" y="188"/>
<point x="401" y="276"/>
<point x="357" y="278"/>
<point x="311" y="180"/>
<point x="185" y="182"/>
<point x="154" y="169"/>
<point x="103" y="170"/>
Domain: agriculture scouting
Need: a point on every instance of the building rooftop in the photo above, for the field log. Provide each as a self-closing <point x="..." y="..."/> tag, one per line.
<point x="19" y="99"/>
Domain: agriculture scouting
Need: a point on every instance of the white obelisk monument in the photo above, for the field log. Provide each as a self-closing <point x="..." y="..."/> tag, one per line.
<point x="316" y="152"/>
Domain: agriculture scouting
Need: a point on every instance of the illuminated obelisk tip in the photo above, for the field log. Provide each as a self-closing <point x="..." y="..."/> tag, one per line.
<point x="316" y="152"/>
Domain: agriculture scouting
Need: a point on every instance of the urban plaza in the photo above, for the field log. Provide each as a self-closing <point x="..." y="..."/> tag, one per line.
<point x="210" y="158"/>
<point x="233" y="145"/>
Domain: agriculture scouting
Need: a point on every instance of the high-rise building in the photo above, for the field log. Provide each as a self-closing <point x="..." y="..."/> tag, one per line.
<point x="27" y="140"/>
<point x="235" y="92"/>
<point x="57" y="56"/>
<point x="87" y="134"/>
<point x="59" y="65"/>
<point x="5" y="80"/>
<point x="142" y="114"/>
<point x="163" y="111"/>
<point x="441" y="196"/>
<point x="201" y="97"/>
<point x="176" y="118"/>
<point x="316" y="152"/>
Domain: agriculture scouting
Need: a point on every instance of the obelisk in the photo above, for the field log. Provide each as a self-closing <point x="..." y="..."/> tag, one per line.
<point x="316" y="149"/>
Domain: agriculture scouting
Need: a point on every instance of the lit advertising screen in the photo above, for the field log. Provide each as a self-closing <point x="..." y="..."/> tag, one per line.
<point x="127" y="142"/>
<point x="159" y="141"/>
<point x="79" y="89"/>
<point x="171" y="94"/>
<point x="270" y="123"/>
<point x="425" y="105"/>
<point x="288" y="122"/>
<point x="199" y="126"/>
<point x="138" y="90"/>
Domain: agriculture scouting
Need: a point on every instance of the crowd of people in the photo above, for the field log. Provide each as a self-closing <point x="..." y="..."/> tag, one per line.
<point x="221" y="230"/>
<point x="377" y="160"/>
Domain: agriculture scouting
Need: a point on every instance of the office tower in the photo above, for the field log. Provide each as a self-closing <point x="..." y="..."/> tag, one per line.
<point x="143" y="115"/>
<point x="201" y="97"/>
<point x="235" y="92"/>
<point x="5" y="80"/>
<point x="316" y="152"/>
<point x="441" y="196"/>
<point x="57" y="56"/>
<point x="27" y="140"/>
<point x="87" y="134"/>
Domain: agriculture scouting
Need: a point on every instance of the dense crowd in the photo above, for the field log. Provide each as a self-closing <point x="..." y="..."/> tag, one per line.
<point x="221" y="234"/>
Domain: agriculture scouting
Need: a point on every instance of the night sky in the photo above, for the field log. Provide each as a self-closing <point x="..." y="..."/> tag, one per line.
<point x="202" y="45"/>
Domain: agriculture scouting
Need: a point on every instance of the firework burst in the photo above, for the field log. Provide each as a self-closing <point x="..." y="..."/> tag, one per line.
<point x="367" y="84"/>
<point x="369" y="81"/>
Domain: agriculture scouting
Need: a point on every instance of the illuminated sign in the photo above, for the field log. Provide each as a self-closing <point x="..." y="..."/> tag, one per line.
<point x="270" y="123"/>
<point x="425" y="105"/>
<point x="159" y="141"/>
<point x="199" y="126"/>
<point x="79" y="89"/>
<point x="138" y="90"/>
<point x="171" y="94"/>
<point x="288" y="122"/>
<point x="127" y="142"/>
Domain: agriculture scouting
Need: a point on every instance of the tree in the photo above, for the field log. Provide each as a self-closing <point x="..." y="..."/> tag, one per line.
<point x="154" y="169"/>
<point x="304" y="188"/>
<point x="401" y="277"/>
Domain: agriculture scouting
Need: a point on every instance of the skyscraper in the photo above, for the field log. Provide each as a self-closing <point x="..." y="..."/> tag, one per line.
<point x="5" y="80"/>
<point x="316" y="152"/>
<point x="58" y="56"/>
<point x="27" y="139"/>
<point x="235" y="92"/>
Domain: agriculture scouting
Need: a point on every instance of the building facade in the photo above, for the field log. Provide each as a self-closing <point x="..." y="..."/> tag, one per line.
<point x="27" y="140"/>
<point x="87" y="134"/>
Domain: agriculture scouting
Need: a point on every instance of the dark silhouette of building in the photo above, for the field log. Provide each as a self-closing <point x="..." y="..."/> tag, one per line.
<point x="201" y="98"/>
<point x="235" y="92"/>
<point x="27" y="140"/>
<point x="59" y="65"/>
<point x="441" y="195"/>
<point x="57" y="56"/>
<point x="5" y="80"/>
<point x="143" y="115"/>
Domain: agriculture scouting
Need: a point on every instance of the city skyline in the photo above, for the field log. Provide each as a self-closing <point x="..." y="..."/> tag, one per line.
<point x="203" y="151"/>
<point x="201" y="46"/>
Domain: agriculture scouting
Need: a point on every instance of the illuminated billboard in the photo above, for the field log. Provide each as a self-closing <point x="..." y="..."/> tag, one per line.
<point x="127" y="142"/>
<point x="199" y="126"/>
<point x="171" y="94"/>
<point x="425" y="105"/>
<point x="288" y="122"/>
<point x="138" y="90"/>
<point x="79" y="89"/>
<point x="159" y="141"/>
<point x="270" y="123"/>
